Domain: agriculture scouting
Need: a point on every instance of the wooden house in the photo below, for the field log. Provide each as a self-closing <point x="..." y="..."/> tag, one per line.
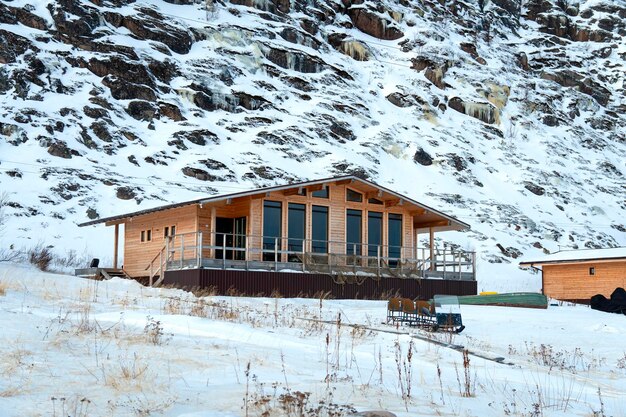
<point x="345" y="228"/>
<point x="578" y="275"/>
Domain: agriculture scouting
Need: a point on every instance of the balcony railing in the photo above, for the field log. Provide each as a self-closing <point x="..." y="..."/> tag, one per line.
<point x="348" y="260"/>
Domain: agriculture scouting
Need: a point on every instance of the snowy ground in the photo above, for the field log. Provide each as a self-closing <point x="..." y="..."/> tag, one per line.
<point x="74" y="347"/>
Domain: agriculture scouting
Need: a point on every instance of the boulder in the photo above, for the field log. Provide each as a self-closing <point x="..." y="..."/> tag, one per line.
<point x="123" y="90"/>
<point x="12" y="46"/>
<point x="170" y="111"/>
<point x="198" y="174"/>
<point x="197" y="137"/>
<point x="125" y="193"/>
<point x="141" y="110"/>
<point x="122" y="69"/>
<point x="374" y="24"/>
<point x="534" y="188"/>
<point x="435" y="71"/>
<point x="570" y="78"/>
<point x="485" y="112"/>
<point x="294" y="60"/>
<point x="14" y="15"/>
<point x="60" y="149"/>
<point x="422" y="157"/>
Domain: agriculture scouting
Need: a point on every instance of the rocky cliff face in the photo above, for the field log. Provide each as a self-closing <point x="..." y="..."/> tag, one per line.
<point x="510" y="116"/>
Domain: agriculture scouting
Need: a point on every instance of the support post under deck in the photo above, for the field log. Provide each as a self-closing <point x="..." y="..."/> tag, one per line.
<point x="115" y="245"/>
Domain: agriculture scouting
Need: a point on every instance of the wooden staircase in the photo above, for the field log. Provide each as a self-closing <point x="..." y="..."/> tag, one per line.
<point x="108" y="273"/>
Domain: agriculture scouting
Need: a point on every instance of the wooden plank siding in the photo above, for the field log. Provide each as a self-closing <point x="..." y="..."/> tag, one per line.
<point x="572" y="281"/>
<point x="201" y="217"/>
<point x="137" y="254"/>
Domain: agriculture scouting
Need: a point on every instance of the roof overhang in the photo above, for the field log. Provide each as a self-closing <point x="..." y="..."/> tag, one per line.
<point x="572" y="261"/>
<point x="429" y="217"/>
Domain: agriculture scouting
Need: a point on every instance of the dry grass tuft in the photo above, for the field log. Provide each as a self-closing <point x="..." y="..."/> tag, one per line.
<point x="3" y="288"/>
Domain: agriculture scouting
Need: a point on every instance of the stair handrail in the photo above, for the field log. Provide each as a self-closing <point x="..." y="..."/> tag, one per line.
<point x="159" y="270"/>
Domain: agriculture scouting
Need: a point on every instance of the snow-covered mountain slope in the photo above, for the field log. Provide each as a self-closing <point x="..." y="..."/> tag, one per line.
<point x="509" y="116"/>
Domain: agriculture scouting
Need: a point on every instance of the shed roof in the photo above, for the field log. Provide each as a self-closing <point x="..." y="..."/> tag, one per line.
<point x="453" y="222"/>
<point x="580" y="255"/>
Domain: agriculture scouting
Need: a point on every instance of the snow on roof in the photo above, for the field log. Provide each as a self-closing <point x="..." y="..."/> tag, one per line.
<point x="580" y="255"/>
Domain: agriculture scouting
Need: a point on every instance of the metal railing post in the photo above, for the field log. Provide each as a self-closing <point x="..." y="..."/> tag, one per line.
<point x="167" y="249"/>
<point x="378" y="260"/>
<point x="354" y="258"/>
<point x="182" y="250"/>
<point x="275" y="254"/>
<point x="444" y="263"/>
<point x="460" y="253"/>
<point x="151" y="276"/>
<point x="199" y="250"/>
<point x="224" y="251"/>
<point x="245" y="254"/>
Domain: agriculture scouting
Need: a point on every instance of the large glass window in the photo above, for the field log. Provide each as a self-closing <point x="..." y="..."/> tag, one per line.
<point x="353" y="232"/>
<point x="323" y="193"/>
<point x="295" y="228"/>
<point x="272" y="213"/>
<point x="394" y="238"/>
<point x="352" y="195"/>
<point x="319" y="229"/>
<point x="374" y="232"/>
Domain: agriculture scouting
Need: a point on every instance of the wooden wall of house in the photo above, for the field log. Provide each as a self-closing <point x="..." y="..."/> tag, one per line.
<point x="573" y="281"/>
<point x="137" y="254"/>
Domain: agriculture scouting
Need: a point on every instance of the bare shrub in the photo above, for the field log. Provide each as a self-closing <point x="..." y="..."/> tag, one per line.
<point x="41" y="256"/>
<point x="3" y="288"/>
<point x="154" y="332"/>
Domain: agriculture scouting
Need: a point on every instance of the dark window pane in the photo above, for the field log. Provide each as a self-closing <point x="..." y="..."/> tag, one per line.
<point x="353" y="232"/>
<point x="394" y="237"/>
<point x="148" y="235"/>
<point x="295" y="228"/>
<point x="143" y="236"/>
<point x="352" y="195"/>
<point x="374" y="201"/>
<point x="166" y="231"/>
<point x="374" y="232"/>
<point x="319" y="229"/>
<point x="272" y="211"/>
<point x="323" y="193"/>
<point x="172" y="230"/>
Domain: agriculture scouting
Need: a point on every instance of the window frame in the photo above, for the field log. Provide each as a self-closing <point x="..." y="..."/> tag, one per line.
<point x="350" y="190"/>
<point x="326" y="191"/>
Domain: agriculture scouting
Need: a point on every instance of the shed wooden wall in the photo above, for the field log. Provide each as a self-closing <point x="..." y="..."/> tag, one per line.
<point x="573" y="282"/>
<point x="137" y="254"/>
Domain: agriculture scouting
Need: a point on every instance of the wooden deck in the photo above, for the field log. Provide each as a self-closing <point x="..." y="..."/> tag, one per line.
<point x="190" y="251"/>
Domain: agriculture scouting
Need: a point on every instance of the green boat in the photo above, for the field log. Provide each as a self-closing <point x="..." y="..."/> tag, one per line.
<point x="513" y="299"/>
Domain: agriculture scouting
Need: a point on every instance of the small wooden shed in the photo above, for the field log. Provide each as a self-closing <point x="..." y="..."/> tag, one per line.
<point x="578" y="275"/>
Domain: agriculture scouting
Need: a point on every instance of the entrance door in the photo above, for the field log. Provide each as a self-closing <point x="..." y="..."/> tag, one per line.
<point x="224" y="230"/>
<point x="230" y="233"/>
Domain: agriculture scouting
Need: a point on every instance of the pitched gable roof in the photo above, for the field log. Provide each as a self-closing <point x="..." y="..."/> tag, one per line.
<point x="581" y="255"/>
<point x="453" y="222"/>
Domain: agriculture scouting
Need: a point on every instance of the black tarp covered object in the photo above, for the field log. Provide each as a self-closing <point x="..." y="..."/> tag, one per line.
<point x="616" y="304"/>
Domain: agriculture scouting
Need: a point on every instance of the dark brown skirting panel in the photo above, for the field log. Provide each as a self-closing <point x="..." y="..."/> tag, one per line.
<point x="287" y="284"/>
